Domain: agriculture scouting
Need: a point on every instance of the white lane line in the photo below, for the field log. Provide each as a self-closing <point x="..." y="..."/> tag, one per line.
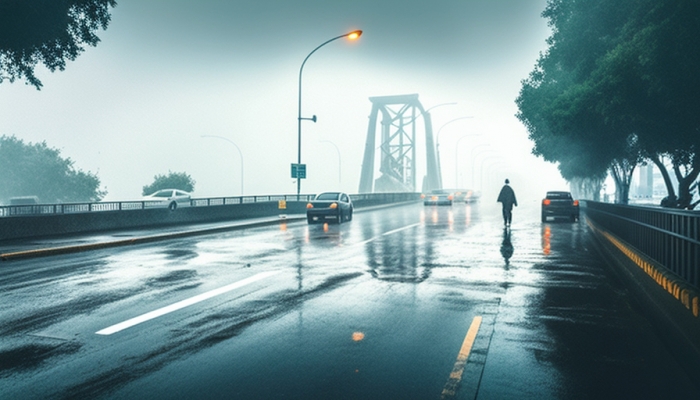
<point x="184" y="303"/>
<point x="401" y="229"/>
<point x="384" y="234"/>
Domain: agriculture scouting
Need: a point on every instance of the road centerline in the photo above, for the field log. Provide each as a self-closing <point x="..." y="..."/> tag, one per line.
<point x="183" y="303"/>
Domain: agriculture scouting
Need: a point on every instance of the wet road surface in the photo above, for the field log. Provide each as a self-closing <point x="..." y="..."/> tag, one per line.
<point x="410" y="302"/>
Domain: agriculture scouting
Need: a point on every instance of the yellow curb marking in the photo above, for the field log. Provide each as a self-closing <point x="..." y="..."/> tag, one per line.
<point x="456" y="375"/>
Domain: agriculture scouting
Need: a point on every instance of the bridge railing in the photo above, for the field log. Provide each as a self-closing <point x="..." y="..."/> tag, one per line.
<point x="670" y="237"/>
<point x="73" y="208"/>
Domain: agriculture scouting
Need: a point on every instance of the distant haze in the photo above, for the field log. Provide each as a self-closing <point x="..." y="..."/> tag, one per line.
<point x="168" y="72"/>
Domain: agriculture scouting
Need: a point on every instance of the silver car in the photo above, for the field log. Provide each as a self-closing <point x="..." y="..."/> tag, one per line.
<point x="167" y="198"/>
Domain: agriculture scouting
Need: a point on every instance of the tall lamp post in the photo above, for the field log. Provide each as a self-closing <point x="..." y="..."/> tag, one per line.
<point x="239" y="153"/>
<point x="437" y="141"/>
<point x="457" y="157"/>
<point x="350" y="35"/>
<point x="338" y="151"/>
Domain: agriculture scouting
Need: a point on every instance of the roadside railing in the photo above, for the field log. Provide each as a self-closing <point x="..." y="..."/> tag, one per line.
<point x="670" y="237"/>
<point x="73" y="208"/>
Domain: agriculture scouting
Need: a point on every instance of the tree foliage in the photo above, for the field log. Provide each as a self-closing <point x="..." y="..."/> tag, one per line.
<point x="47" y="31"/>
<point x="616" y="85"/>
<point x="38" y="170"/>
<point x="174" y="180"/>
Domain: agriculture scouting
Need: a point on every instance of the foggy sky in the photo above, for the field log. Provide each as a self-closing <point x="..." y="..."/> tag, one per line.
<point x="167" y="72"/>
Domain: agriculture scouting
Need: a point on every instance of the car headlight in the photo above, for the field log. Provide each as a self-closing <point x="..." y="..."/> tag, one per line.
<point x="334" y="205"/>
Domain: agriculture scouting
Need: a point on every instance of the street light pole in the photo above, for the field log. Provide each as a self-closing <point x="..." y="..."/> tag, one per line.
<point x="437" y="142"/>
<point x="338" y="151"/>
<point x="350" y="35"/>
<point x="457" y="158"/>
<point x="239" y="153"/>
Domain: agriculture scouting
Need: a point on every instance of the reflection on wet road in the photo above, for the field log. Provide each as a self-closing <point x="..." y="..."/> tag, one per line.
<point x="385" y="306"/>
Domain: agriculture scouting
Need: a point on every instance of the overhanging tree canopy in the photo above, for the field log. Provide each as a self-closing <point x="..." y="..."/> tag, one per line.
<point x="617" y="82"/>
<point x="48" y="32"/>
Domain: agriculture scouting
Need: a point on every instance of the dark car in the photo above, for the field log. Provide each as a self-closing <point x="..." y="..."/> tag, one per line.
<point x="329" y="207"/>
<point x="559" y="205"/>
<point x="438" y="197"/>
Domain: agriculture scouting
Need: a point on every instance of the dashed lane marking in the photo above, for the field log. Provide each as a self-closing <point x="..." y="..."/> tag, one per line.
<point x="184" y="303"/>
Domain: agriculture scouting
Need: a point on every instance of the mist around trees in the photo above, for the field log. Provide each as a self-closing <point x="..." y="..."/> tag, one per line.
<point x="617" y="88"/>
<point x="35" y="169"/>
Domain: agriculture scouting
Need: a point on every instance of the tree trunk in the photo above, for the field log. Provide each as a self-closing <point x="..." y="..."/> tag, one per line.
<point x="621" y="171"/>
<point x="684" y="184"/>
<point x="670" y="192"/>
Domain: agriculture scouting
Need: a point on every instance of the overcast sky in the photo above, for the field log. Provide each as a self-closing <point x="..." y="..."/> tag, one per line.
<point x="167" y="72"/>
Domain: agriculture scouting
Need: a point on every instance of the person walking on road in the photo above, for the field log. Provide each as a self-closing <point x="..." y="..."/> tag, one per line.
<point x="508" y="200"/>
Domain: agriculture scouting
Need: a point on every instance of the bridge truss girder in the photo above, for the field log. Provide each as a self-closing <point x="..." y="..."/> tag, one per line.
<point x="398" y="147"/>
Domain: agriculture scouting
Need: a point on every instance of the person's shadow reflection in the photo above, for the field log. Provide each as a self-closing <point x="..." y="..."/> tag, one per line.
<point x="506" y="247"/>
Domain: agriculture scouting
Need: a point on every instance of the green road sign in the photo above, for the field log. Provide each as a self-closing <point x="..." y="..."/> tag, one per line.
<point x="299" y="171"/>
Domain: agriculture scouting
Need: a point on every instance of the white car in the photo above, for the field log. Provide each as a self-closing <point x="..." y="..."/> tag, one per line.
<point x="167" y="198"/>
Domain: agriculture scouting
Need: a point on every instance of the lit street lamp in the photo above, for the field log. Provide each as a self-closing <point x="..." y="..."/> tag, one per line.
<point x="350" y="35"/>
<point x="239" y="153"/>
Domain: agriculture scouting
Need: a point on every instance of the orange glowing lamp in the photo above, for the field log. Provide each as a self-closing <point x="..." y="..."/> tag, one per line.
<point x="354" y="35"/>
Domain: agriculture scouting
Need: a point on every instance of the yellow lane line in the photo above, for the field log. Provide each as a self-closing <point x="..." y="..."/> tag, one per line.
<point x="456" y="376"/>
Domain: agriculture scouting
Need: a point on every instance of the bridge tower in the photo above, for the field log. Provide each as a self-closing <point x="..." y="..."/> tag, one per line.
<point x="400" y="116"/>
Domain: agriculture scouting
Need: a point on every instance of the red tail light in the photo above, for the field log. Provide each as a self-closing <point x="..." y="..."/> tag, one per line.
<point x="575" y="203"/>
<point x="334" y="205"/>
<point x="546" y="202"/>
<point x="309" y="205"/>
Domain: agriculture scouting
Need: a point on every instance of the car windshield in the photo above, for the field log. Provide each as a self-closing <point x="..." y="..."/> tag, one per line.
<point x="162" y="193"/>
<point x="327" y="196"/>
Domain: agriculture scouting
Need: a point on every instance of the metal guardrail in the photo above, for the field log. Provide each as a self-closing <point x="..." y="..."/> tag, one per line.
<point x="670" y="237"/>
<point x="73" y="208"/>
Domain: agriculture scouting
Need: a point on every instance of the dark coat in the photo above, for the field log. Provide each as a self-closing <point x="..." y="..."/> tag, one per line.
<point x="507" y="197"/>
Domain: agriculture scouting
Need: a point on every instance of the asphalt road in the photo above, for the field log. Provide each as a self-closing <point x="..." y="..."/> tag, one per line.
<point x="410" y="302"/>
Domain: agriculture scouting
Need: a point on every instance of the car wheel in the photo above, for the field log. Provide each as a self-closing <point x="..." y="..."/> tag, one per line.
<point x="172" y="206"/>
<point x="309" y="219"/>
<point x="544" y="218"/>
<point x="340" y="217"/>
<point x="350" y="216"/>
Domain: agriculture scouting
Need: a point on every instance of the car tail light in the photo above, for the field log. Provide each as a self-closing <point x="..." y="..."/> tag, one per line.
<point x="576" y="203"/>
<point x="309" y="205"/>
<point x="450" y="197"/>
<point x="422" y="196"/>
<point x="334" y="205"/>
<point x="546" y="202"/>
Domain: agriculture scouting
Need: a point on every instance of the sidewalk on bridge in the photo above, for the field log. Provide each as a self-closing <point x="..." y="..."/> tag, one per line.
<point x="669" y="302"/>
